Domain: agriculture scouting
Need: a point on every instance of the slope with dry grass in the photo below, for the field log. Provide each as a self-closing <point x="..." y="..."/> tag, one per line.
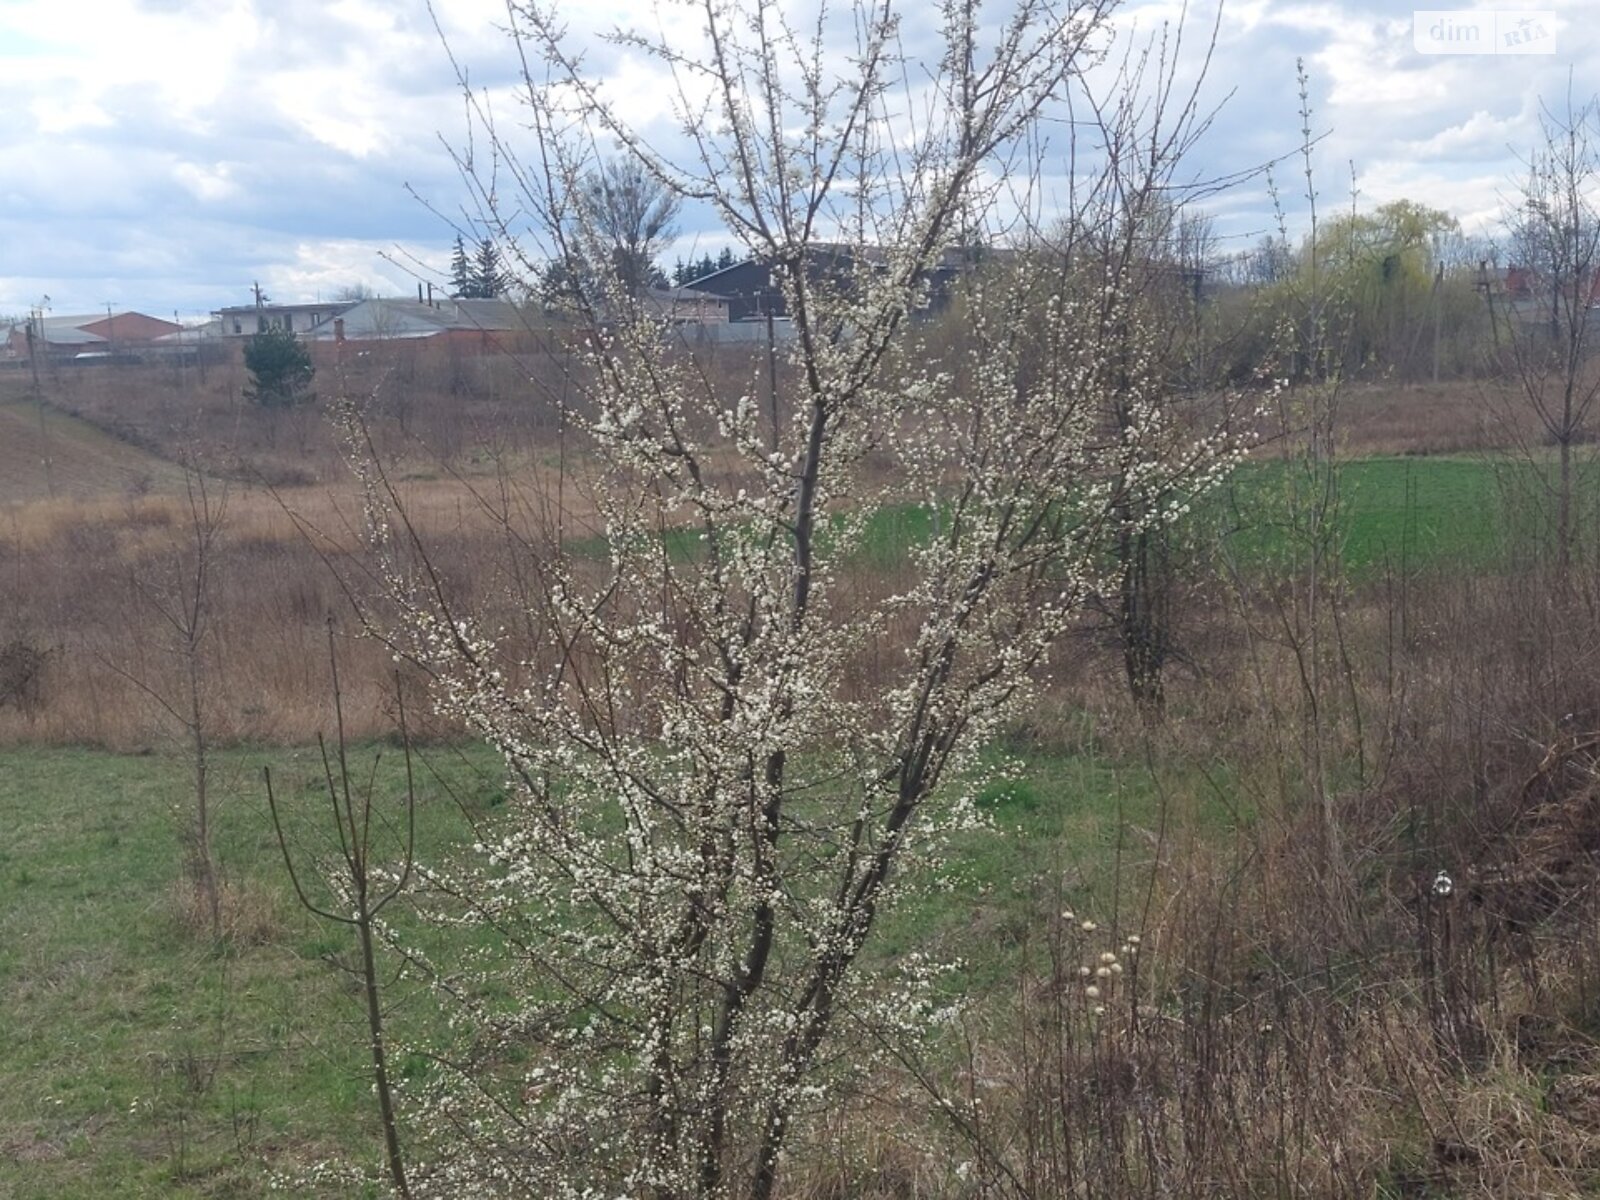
<point x="48" y="455"/>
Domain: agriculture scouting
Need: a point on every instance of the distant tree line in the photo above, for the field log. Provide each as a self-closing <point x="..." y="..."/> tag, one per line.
<point x="687" y="272"/>
<point x="1398" y="291"/>
<point x="620" y="221"/>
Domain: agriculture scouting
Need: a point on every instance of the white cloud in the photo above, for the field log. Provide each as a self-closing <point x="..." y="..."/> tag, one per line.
<point x="320" y="268"/>
<point x="208" y="184"/>
<point x="1480" y="136"/>
<point x="63" y="116"/>
<point x="185" y="59"/>
<point x="336" y="109"/>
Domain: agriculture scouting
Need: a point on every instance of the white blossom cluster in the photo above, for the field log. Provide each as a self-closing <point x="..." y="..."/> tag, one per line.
<point x="726" y="764"/>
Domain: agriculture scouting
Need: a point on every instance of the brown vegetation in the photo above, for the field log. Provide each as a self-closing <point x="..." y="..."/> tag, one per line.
<point x="92" y="501"/>
<point x="1265" y="1032"/>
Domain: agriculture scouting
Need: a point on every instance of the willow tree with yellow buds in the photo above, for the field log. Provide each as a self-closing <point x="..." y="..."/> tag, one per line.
<point x="731" y="748"/>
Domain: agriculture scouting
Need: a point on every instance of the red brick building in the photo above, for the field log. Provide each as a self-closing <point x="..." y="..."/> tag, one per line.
<point x="92" y="335"/>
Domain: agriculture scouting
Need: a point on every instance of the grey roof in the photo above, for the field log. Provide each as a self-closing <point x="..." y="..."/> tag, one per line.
<point x="381" y="318"/>
<point x="65" y="331"/>
<point x="194" y="333"/>
<point x="952" y="258"/>
<point x="687" y="294"/>
<point x="487" y="314"/>
<point x="233" y="310"/>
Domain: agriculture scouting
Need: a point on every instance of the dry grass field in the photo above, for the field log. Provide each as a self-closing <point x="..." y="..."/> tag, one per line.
<point x="98" y="487"/>
<point x="50" y="458"/>
<point x="96" y="525"/>
<point x="96" y="530"/>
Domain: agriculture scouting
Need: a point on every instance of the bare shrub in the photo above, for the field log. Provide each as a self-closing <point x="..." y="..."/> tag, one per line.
<point x="248" y="913"/>
<point x="22" y="675"/>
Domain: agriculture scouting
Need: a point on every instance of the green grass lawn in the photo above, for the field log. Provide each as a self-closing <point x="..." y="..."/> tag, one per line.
<point x="1391" y="512"/>
<point x="1411" y="512"/>
<point x="1425" y="510"/>
<point x="140" y="1061"/>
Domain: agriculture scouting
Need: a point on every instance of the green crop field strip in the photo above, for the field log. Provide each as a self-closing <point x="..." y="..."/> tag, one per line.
<point x="1397" y="512"/>
<point x="1389" y="513"/>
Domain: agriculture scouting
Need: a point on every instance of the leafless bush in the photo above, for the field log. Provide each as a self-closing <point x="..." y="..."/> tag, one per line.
<point x="247" y="913"/>
<point x="22" y="675"/>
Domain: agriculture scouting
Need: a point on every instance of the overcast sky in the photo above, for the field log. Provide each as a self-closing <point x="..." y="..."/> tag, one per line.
<point x="162" y="154"/>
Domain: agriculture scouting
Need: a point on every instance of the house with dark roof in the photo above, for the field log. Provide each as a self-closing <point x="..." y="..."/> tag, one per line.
<point x="752" y="294"/>
<point x="747" y="287"/>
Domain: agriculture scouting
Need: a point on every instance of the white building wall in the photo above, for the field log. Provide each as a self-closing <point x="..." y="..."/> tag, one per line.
<point x="242" y="322"/>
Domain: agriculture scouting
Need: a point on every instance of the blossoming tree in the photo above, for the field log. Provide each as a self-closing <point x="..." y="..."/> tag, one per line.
<point x="730" y="746"/>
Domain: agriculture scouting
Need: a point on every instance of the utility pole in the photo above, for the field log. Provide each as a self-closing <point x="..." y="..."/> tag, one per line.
<point x="35" y="329"/>
<point x="35" y="336"/>
<point x="1486" y="286"/>
<point x="1438" y="305"/>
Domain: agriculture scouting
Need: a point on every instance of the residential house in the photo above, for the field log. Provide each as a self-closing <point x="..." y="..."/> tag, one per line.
<point x="246" y="319"/>
<point x="752" y="293"/>
<point x="475" y="322"/>
<point x="1525" y="296"/>
<point x="685" y="305"/>
<point x="193" y="343"/>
